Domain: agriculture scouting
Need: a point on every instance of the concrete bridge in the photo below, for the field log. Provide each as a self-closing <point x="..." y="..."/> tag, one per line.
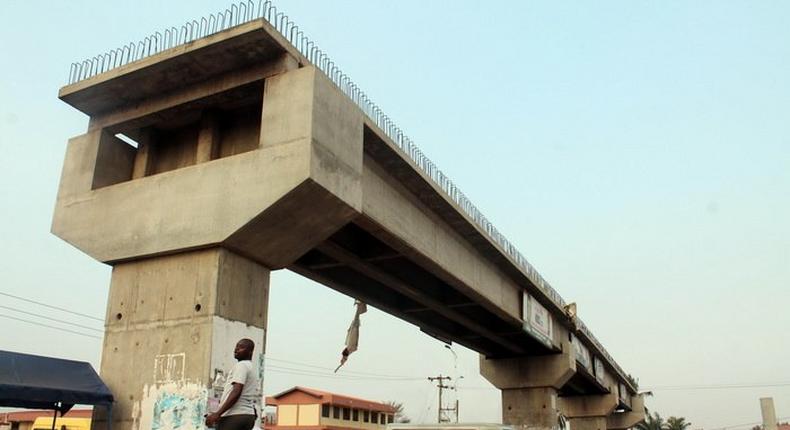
<point x="249" y="155"/>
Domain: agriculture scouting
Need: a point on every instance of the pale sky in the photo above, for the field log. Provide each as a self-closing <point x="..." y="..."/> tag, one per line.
<point x="638" y="153"/>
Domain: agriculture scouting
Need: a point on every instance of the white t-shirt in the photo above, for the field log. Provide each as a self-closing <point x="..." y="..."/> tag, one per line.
<point x="242" y="373"/>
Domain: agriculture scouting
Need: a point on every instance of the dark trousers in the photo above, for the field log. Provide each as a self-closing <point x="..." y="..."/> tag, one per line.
<point x="236" y="422"/>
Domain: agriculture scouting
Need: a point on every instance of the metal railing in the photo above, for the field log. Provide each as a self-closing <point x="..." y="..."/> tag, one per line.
<point x="250" y="10"/>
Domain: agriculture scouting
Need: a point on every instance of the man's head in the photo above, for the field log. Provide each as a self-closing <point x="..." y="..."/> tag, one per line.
<point x="243" y="350"/>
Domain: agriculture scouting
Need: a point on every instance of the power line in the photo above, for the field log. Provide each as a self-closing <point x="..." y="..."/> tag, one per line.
<point x="716" y="386"/>
<point x="49" y="326"/>
<point x="680" y="387"/>
<point x="315" y="373"/>
<point x="303" y="372"/>
<point x="332" y="376"/>
<point x="52" y="319"/>
<point x="350" y="374"/>
<point x="51" y="306"/>
<point x="441" y="413"/>
<point x="746" y="424"/>
<point x="332" y="369"/>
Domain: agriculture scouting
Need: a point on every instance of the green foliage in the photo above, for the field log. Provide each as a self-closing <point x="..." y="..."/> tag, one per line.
<point x="633" y="381"/>
<point x="677" y="423"/>
<point x="400" y="417"/>
<point x="654" y="421"/>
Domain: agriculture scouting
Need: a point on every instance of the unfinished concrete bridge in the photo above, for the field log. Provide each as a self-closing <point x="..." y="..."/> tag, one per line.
<point x="253" y="152"/>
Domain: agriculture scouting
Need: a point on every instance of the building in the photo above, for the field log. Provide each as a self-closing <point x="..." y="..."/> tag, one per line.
<point x="23" y="420"/>
<point x="302" y="407"/>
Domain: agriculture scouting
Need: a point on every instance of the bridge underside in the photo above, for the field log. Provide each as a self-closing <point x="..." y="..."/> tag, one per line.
<point x="357" y="263"/>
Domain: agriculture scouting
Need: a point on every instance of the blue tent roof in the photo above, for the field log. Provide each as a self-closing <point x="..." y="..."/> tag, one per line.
<point x="32" y="381"/>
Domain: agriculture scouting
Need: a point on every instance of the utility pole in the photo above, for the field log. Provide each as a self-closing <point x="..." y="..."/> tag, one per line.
<point x="442" y="416"/>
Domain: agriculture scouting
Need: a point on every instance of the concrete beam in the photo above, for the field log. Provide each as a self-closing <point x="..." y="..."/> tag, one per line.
<point x="588" y="423"/>
<point x="152" y="109"/>
<point x="589" y="406"/>
<point x="374" y="299"/>
<point x="593" y="405"/>
<point x="340" y="254"/>
<point x="626" y="420"/>
<point x="552" y="370"/>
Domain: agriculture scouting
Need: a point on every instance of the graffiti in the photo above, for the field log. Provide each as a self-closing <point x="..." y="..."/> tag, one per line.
<point x="179" y="407"/>
<point x="169" y="368"/>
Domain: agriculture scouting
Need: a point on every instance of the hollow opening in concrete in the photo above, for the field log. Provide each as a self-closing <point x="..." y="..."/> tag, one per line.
<point x="216" y="127"/>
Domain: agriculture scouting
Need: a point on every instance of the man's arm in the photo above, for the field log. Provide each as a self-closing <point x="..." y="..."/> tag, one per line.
<point x="233" y="397"/>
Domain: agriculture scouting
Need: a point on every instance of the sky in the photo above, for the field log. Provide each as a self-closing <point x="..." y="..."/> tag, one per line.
<point x="637" y="153"/>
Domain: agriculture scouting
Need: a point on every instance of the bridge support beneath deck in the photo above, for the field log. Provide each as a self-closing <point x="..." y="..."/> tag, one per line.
<point x="530" y="386"/>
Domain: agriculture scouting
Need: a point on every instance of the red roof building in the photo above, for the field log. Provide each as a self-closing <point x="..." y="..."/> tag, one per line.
<point x="23" y="420"/>
<point x="308" y="409"/>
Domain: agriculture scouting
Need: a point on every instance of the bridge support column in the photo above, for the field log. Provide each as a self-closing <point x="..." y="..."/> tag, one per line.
<point x="172" y="322"/>
<point x="529" y="387"/>
<point x="626" y="420"/>
<point x="588" y="412"/>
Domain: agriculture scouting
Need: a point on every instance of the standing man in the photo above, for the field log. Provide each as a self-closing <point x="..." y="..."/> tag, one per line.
<point x="237" y="410"/>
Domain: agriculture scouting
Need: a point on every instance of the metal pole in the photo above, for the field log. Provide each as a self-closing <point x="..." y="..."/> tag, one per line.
<point x="54" y="416"/>
<point x="440" y="399"/>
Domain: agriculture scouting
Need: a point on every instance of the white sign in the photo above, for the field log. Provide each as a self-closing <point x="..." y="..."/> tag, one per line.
<point x="582" y="354"/>
<point x="537" y="320"/>
<point x="599" y="370"/>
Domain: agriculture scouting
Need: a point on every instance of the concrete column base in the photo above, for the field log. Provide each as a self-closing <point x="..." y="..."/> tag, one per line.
<point x="171" y="326"/>
<point x="530" y="408"/>
<point x="588" y="423"/>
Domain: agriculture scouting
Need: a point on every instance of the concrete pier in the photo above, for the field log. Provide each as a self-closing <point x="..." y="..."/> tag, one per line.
<point x="172" y="323"/>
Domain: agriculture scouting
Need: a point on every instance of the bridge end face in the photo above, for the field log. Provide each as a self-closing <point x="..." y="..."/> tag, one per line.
<point x="193" y="190"/>
<point x="268" y="171"/>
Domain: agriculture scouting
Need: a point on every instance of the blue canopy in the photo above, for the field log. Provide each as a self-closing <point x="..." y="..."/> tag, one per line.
<point x="32" y="381"/>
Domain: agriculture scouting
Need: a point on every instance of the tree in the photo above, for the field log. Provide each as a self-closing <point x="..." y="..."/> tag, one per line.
<point x="400" y="417"/>
<point x="633" y="381"/>
<point x="652" y="422"/>
<point x="677" y="423"/>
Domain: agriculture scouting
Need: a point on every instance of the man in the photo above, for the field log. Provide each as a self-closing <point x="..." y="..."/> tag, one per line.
<point x="237" y="410"/>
